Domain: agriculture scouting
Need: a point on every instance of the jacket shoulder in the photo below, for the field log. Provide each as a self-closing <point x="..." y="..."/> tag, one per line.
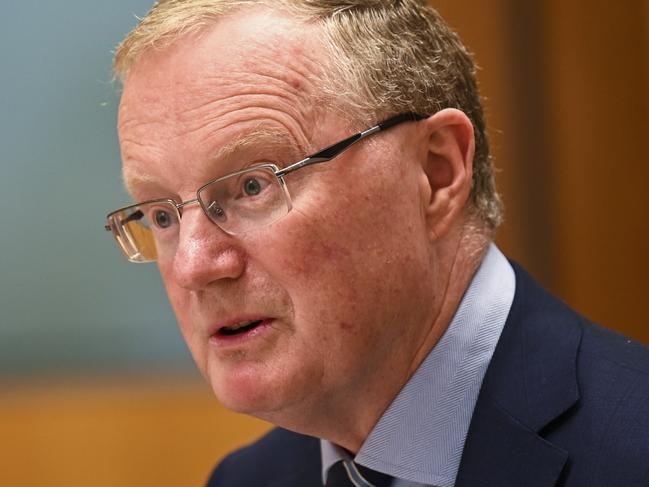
<point x="280" y="454"/>
<point x="601" y="344"/>
<point x="606" y="432"/>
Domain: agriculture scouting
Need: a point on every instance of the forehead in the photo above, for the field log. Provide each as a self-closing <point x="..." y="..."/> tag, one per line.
<point x="251" y="72"/>
<point x="236" y="42"/>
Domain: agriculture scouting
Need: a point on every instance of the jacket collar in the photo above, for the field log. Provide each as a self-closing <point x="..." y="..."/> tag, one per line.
<point x="530" y="382"/>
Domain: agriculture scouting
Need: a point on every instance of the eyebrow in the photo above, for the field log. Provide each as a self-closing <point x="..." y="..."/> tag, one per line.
<point x="274" y="139"/>
<point x="131" y="179"/>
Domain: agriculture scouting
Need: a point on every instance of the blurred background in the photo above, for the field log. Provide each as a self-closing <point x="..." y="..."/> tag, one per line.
<point x="96" y="385"/>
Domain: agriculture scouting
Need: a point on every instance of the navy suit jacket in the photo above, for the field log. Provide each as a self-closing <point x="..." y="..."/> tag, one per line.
<point x="564" y="402"/>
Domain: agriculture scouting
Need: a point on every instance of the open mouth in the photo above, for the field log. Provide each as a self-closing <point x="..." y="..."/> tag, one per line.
<point x="239" y="328"/>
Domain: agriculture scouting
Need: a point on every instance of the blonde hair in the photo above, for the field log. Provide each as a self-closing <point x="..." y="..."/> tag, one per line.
<point x="386" y="57"/>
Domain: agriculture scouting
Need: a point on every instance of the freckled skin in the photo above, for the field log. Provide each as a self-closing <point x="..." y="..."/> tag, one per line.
<point x="347" y="275"/>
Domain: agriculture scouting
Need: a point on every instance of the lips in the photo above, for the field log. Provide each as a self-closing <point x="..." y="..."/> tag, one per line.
<point x="239" y="328"/>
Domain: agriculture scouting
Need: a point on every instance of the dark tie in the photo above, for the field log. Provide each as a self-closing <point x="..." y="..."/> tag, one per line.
<point x="339" y="476"/>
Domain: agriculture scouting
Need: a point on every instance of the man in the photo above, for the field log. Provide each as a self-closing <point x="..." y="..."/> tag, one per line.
<point x="314" y="183"/>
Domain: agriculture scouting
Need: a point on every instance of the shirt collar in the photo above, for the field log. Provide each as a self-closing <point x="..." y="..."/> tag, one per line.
<point x="421" y="435"/>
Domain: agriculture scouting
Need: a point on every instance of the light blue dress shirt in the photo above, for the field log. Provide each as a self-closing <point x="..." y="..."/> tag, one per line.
<point x="420" y="437"/>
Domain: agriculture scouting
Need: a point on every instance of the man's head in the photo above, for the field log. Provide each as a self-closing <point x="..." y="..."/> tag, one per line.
<point x="344" y="296"/>
<point x="382" y="57"/>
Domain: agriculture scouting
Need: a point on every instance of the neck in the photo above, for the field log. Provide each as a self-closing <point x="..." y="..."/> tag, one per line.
<point x="459" y="257"/>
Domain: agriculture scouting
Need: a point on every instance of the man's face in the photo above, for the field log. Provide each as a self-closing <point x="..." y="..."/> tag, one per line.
<point x="341" y="284"/>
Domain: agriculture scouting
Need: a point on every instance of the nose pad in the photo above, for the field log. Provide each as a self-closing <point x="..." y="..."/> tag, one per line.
<point x="205" y="253"/>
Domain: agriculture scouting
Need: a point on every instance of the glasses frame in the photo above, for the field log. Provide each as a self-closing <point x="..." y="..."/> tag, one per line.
<point x="324" y="155"/>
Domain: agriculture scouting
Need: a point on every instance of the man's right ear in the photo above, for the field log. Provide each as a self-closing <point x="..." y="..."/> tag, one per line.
<point x="447" y="169"/>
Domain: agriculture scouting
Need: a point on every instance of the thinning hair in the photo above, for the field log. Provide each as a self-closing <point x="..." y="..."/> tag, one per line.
<point x="385" y="57"/>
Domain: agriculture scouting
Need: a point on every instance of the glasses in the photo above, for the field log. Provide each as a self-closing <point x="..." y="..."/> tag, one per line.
<point x="237" y="203"/>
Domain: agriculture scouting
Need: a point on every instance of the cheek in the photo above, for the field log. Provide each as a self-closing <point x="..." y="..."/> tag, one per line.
<point x="344" y="270"/>
<point x="354" y="256"/>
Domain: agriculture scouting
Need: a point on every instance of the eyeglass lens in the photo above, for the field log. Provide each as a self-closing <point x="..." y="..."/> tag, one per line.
<point x="245" y="200"/>
<point x="238" y="203"/>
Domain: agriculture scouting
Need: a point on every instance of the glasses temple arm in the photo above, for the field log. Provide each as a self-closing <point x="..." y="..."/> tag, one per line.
<point x="402" y="117"/>
<point x="336" y="149"/>
<point x="136" y="215"/>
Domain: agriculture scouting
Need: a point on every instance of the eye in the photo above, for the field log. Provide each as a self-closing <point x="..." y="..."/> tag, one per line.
<point x="162" y="218"/>
<point x="252" y="186"/>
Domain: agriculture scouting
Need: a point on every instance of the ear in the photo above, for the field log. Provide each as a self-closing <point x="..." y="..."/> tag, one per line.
<point x="445" y="181"/>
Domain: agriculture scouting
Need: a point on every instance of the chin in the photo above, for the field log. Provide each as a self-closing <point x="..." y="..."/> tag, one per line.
<point x="247" y="392"/>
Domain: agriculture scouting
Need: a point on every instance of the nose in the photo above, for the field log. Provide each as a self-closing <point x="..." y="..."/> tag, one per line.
<point x="205" y="253"/>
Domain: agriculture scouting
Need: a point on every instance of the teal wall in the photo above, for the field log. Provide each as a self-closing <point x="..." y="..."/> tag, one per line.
<point x="69" y="302"/>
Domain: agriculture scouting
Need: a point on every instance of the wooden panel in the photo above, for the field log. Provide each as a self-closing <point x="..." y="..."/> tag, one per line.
<point x="144" y="433"/>
<point x="598" y="65"/>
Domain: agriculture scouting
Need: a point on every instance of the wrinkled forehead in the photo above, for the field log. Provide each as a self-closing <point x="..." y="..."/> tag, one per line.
<point x="252" y="70"/>
<point x="241" y="47"/>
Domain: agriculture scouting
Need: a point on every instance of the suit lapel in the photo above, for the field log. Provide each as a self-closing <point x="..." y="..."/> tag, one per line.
<point x="504" y="453"/>
<point x="531" y="381"/>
